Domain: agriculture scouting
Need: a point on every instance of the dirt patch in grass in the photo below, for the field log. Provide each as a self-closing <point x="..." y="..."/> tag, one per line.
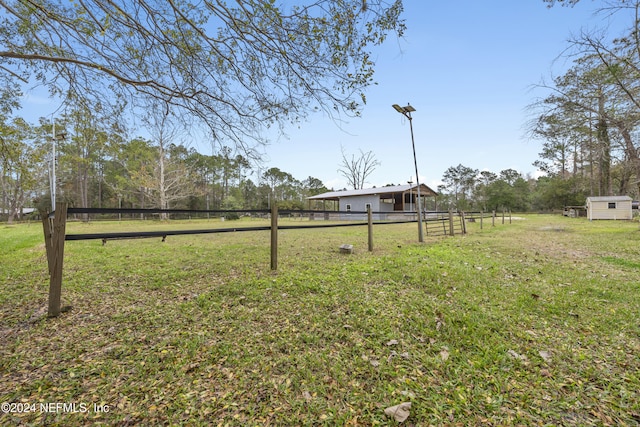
<point x="552" y="228"/>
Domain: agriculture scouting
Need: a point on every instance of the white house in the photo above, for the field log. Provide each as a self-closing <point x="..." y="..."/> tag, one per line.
<point x="609" y="207"/>
<point x="396" y="198"/>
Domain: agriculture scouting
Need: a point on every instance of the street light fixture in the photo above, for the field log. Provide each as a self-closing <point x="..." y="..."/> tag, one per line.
<point x="406" y="111"/>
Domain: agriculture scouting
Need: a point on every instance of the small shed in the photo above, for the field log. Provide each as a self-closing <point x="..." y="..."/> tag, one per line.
<point x="609" y="207"/>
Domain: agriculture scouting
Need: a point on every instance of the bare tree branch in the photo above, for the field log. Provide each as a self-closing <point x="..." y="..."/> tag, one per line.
<point x="357" y="169"/>
<point x="238" y="67"/>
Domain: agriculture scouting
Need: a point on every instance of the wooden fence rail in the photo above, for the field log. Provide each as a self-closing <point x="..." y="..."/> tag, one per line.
<point x="54" y="227"/>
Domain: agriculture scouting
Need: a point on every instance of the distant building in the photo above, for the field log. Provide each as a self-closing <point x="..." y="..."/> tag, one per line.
<point x="396" y="198"/>
<point x="609" y="207"/>
<point x="24" y="211"/>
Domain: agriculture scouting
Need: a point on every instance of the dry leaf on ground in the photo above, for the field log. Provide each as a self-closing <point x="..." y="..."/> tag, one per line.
<point x="545" y="355"/>
<point x="444" y="354"/>
<point x="399" y="412"/>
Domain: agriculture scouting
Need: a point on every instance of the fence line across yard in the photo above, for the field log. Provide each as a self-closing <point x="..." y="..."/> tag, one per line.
<point x="54" y="227"/>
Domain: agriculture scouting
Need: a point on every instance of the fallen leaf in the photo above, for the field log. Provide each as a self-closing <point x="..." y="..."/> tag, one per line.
<point x="399" y="412"/>
<point x="421" y="339"/>
<point x="444" y="355"/>
<point x="191" y="367"/>
<point x="545" y="355"/>
<point x="515" y="355"/>
<point x="392" y="342"/>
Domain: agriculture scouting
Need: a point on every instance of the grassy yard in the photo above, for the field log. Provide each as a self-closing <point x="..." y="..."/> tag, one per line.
<point x="531" y="323"/>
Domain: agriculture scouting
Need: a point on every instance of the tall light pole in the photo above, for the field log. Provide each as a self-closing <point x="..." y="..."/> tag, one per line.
<point x="406" y="111"/>
<point x="52" y="178"/>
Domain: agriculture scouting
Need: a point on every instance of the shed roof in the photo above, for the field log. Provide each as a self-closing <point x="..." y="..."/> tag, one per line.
<point x="609" y="198"/>
<point x="24" y="211"/>
<point x="335" y="195"/>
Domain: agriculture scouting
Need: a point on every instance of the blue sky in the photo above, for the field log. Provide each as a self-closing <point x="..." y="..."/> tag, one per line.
<point x="467" y="66"/>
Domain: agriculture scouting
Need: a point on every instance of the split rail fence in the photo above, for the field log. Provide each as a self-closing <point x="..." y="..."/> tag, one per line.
<point x="54" y="227"/>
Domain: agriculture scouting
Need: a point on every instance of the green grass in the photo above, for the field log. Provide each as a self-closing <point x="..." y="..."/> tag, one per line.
<point x="531" y="323"/>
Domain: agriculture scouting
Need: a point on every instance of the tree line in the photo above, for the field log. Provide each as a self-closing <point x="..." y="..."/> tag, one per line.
<point x="230" y="69"/>
<point x="239" y="79"/>
<point x="589" y="119"/>
<point x="588" y="123"/>
<point x="97" y="166"/>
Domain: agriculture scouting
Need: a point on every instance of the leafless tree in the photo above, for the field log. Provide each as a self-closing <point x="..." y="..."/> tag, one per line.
<point x="357" y="169"/>
<point x="167" y="181"/>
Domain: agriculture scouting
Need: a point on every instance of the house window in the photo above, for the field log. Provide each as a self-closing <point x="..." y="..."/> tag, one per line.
<point x="612" y="205"/>
<point x="348" y="207"/>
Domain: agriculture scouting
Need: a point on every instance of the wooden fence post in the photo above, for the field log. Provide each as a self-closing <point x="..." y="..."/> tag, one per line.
<point x="274" y="237"/>
<point x="370" y="228"/>
<point x="481" y="216"/>
<point x="463" y="223"/>
<point x="452" y="232"/>
<point x="56" y="258"/>
<point x="503" y="216"/>
<point x="493" y="219"/>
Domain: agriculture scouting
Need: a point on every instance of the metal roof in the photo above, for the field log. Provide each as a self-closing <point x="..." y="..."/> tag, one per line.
<point x="373" y="191"/>
<point x="609" y="198"/>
